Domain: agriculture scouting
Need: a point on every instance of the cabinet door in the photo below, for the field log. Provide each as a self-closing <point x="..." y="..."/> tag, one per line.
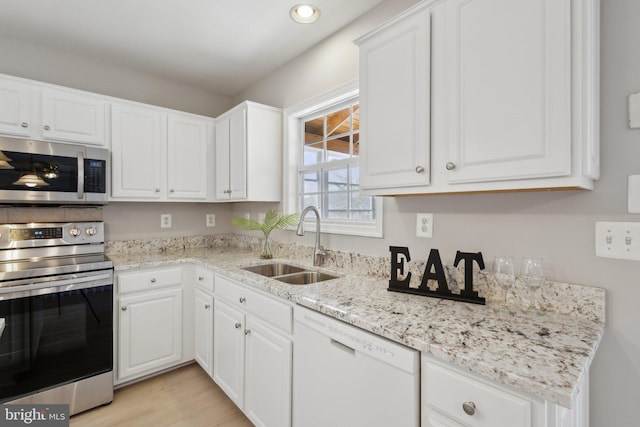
<point x="222" y="159"/>
<point x="228" y="351"/>
<point x="15" y="118"/>
<point x="238" y="155"/>
<point x="137" y="145"/>
<point x="394" y="105"/>
<point x="187" y="157"/>
<point x="508" y="89"/>
<point x="150" y="332"/>
<point x="69" y="116"/>
<point x="204" y="330"/>
<point x="268" y="376"/>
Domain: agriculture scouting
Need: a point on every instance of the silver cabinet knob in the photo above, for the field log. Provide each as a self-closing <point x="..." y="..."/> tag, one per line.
<point x="153" y="280"/>
<point x="419" y="169"/>
<point x="124" y="308"/>
<point x="157" y="190"/>
<point x="206" y="306"/>
<point x="238" y="325"/>
<point x="242" y="300"/>
<point x="450" y="166"/>
<point x="469" y="408"/>
<point x="247" y="331"/>
<point x="171" y="190"/>
<point x="46" y="127"/>
<point x="24" y="124"/>
<point x="200" y="278"/>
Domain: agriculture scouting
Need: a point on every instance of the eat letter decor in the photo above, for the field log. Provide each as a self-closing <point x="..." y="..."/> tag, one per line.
<point x="435" y="271"/>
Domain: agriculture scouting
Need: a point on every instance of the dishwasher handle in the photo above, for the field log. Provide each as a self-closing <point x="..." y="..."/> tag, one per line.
<point x="343" y="347"/>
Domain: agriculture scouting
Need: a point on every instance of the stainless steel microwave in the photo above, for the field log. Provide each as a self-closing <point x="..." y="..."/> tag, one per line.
<point x="35" y="172"/>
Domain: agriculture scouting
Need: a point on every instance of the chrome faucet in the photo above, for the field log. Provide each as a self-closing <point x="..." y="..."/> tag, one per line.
<point x="318" y="251"/>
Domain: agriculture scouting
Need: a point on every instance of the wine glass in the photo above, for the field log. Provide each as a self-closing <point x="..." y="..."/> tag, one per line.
<point x="504" y="273"/>
<point x="532" y="277"/>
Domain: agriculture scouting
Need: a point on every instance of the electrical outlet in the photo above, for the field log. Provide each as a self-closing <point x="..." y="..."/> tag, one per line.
<point x="424" y="225"/>
<point x="165" y="220"/>
<point x="619" y="240"/>
<point x="211" y="220"/>
<point x="261" y="216"/>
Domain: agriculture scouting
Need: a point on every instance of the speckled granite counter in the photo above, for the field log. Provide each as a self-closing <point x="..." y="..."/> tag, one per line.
<point x="541" y="354"/>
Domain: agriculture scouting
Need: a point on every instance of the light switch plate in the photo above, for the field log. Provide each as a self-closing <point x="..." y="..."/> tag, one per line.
<point x="634" y="111"/>
<point x="633" y="204"/>
<point x="620" y="240"/>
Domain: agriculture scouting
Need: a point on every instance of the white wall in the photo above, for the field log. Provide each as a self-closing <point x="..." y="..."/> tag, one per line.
<point x="559" y="226"/>
<point x="38" y="62"/>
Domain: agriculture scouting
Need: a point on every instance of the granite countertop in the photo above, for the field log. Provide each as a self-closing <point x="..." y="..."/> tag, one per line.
<point x="541" y="354"/>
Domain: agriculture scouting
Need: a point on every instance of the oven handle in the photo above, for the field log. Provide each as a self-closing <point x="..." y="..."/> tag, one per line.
<point x="56" y="285"/>
<point x="80" y="174"/>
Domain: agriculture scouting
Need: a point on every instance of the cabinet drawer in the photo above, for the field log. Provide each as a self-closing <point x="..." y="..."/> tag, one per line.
<point x="149" y="279"/>
<point x="446" y="390"/>
<point x="204" y="278"/>
<point x="271" y="311"/>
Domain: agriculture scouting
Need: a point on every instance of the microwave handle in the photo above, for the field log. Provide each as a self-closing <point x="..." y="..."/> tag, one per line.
<point x="80" y="175"/>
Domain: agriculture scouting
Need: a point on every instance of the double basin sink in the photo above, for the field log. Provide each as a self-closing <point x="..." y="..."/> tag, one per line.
<point x="290" y="274"/>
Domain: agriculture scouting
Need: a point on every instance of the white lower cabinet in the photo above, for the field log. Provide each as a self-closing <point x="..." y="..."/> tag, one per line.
<point x="203" y="312"/>
<point x="150" y="322"/>
<point x="452" y="397"/>
<point x="252" y="358"/>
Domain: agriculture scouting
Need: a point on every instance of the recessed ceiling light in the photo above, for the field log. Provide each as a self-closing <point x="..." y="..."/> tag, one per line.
<point x="304" y="13"/>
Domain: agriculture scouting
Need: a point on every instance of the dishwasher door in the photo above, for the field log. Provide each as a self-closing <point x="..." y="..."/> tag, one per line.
<point x="345" y="376"/>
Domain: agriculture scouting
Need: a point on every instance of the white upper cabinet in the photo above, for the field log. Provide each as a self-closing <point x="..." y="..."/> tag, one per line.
<point x="15" y="108"/>
<point x="138" y="147"/>
<point x="248" y="164"/>
<point x="74" y="117"/>
<point x="158" y="155"/>
<point x="394" y="104"/>
<point x="509" y="98"/>
<point x="39" y="111"/>
<point x="187" y="144"/>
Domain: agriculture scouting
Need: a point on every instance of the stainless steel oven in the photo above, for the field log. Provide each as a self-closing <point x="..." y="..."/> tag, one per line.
<point x="34" y="172"/>
<point x="56" y="303"/>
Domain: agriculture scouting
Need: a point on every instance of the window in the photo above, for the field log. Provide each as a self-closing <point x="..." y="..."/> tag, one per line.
<point x="323" y="171"/>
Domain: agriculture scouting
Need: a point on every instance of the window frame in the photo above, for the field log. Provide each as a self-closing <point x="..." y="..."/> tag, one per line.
<point x="292" y="155"/>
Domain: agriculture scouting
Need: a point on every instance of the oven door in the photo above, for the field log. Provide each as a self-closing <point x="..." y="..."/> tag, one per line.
<point x="55" y="333"/>
<point x="45" y="172"/>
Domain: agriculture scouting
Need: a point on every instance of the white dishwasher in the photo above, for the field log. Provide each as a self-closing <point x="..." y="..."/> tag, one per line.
<point x="345" y="376"/>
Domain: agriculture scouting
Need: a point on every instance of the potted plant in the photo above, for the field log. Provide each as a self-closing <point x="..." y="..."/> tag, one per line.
<point x="272" y="220"/>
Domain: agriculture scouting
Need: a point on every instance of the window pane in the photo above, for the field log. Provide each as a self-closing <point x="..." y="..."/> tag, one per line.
<point x="314" y="130"/>
<point x="354" y="175"/>
<point x="337" y="179"/>
<point x="310" y="199"/>
<point x="356" y="144"/>
<point x="356" y="117"/>
<point x="310" y="182"/>
<point x="338" y="149"/>
<point x="339" y="122"/>
<point x="313" y="154"/>
<point x="362" y="207"/>
<point x="337" y="205"/>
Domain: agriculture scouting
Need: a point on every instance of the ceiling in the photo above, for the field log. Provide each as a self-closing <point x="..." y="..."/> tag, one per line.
<point x="222" y="46"/>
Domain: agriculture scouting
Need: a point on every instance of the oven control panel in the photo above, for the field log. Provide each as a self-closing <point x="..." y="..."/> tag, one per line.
<point x="50" y="234"/>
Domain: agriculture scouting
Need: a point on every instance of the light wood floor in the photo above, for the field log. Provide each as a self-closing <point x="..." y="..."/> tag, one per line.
<point x="184" y="397"/>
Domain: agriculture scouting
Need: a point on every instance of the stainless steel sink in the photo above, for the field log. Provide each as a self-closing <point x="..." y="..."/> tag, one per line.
<point x="306" y="277"/>
<point x="274" y="269"/>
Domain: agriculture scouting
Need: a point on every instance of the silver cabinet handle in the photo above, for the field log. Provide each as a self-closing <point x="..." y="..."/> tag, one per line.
<point x="450" y="166"/>
<point x="124" y="308"/>
<point x="206" y="306"/>
<point x="24" y="124"/>
<point x="469" y="408"/>
<point x="242" y="300"/>
<point x="157" y="190"/>
<point x="419" y="169"/>
<point x="153" y="280"/>
<point x="46" y="127"/>
<point x="171" y="190"/>
<point x="247" y="331"/>
<point x="200" y="278"/>
<point x="238" y="325"/>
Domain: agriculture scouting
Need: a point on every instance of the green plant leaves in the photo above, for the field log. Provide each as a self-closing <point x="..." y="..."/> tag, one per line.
<point x="272" y="220"/>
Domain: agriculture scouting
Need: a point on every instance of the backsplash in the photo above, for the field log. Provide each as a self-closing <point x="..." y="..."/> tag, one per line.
<point x="565" y="298"/>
